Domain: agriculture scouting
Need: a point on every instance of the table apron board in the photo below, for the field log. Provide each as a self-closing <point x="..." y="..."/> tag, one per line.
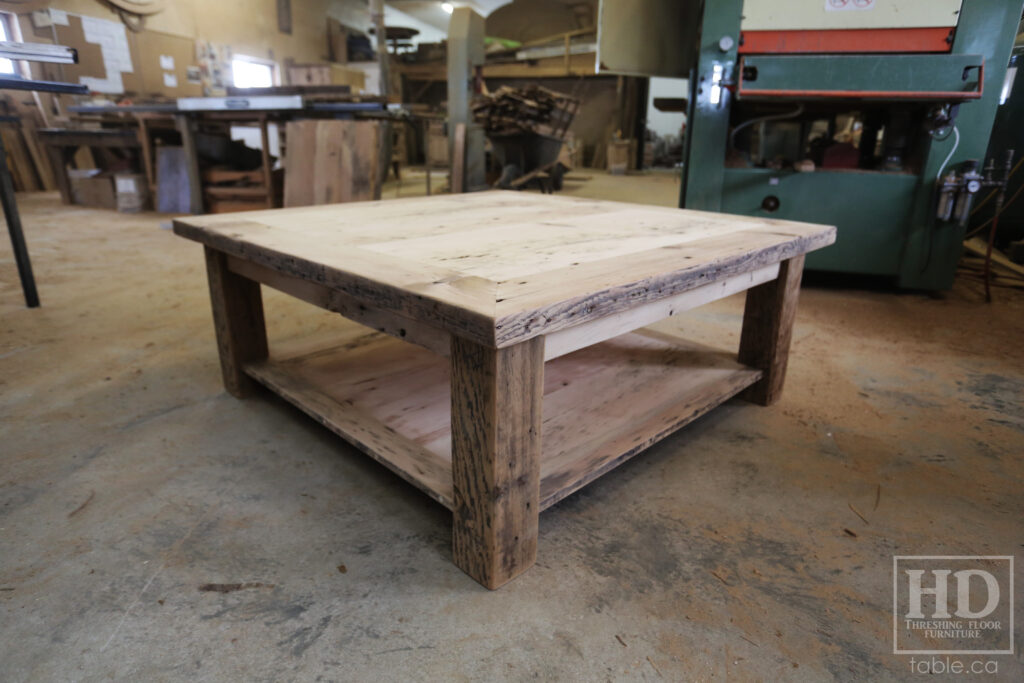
<point x="556" y="344"/>
<point x="390" y="322"/>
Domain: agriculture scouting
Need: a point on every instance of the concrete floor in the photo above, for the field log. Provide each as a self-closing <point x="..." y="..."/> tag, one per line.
<point x="728" y="551"/>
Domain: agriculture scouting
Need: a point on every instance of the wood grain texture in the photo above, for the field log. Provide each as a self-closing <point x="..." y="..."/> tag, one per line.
<point x="432" y="294"/>
<point x="496" y="446"/>
<point x="499" y="268"/>
<point x="395" y="324"/>
<point x="768" y="328"/>
<point x="331" y="161"/>
<point x="39" y="156"/>
<point x="602" y="404"/>
<point x="59" y="164"/>
<point x="265" y="165"/>
<point x="268" y="169"/>
<point x="399" y="453"/>
<point x="238" y="322"/>
<point x="299" y="156"/>
<point x="570" y="339"/>
<point x="607" y="403"/>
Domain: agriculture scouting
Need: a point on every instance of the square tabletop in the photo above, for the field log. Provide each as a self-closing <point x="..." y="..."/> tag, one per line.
<point x="501" y="267"/>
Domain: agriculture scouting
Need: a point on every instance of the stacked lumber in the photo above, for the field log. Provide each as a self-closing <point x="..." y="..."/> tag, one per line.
<point x="1000" y="269"/>
<point x="226" y="190"/>
<point x="531" y="109"/>
<point x="26" y="159"/>
<point x="20" y="118"/>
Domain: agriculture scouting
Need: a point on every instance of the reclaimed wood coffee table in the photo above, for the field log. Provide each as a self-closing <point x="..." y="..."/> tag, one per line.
<point x="513" y="368"/>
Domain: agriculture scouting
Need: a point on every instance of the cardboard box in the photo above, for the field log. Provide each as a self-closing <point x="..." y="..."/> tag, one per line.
<point x="132" y="192"/>
<point x="90" y="187"/>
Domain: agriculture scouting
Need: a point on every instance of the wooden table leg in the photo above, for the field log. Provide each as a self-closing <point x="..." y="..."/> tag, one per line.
<point x="147" y="155"/>
<point x="496" y="441"/>
<point x="767" y="330"/>
<point x="268" y="174"/>
<point x="238" y="321"/>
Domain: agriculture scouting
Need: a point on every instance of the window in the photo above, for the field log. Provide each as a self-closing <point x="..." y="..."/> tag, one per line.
<point x="248" y="72"/>
<point x="6" y="65"/>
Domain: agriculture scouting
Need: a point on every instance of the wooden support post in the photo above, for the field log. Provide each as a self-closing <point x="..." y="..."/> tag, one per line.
<point x="147" y="155"/>
<point x="767" y="330"/>
<point x="268" y="173"/>
<point x="59" y="162"/>
<point x="238" y="321"/>
<point x="496" y="441"/>
<point x="186" y="126"/>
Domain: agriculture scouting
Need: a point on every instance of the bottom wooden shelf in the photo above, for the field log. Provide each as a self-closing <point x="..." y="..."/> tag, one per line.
<point x="602" y="404"/>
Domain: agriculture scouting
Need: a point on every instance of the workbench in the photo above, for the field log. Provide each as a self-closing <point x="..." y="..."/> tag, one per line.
<point x="189" y="115"/>
<point x="61" y="144"/>
<point x="511" y="366"/>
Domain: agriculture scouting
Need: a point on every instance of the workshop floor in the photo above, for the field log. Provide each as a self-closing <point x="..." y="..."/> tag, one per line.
<point x="735" y="549"/>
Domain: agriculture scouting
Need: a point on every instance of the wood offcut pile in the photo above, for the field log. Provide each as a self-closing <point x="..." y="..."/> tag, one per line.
<point x="531" y="109"/>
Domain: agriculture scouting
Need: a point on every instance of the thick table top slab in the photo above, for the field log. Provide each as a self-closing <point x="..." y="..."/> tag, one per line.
<point x="502" y="267"/>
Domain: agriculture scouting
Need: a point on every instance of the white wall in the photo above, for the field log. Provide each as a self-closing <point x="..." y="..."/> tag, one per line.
<point x="665" y="123"/>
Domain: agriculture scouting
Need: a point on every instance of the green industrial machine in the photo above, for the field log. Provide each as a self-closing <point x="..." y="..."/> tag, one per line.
<point x="851" y="113"/>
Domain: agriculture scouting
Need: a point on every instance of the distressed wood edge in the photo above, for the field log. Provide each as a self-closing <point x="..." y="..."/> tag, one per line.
<point x="592" y="306"/>
<point x="569" y="339"/>
<point x="393" y="324"/>
<point x="484" y="323"/>
<point x="476" y="324"/>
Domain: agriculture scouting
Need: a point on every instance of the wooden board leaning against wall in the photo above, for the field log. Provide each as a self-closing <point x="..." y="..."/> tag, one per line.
<point x="330" y="161"/>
